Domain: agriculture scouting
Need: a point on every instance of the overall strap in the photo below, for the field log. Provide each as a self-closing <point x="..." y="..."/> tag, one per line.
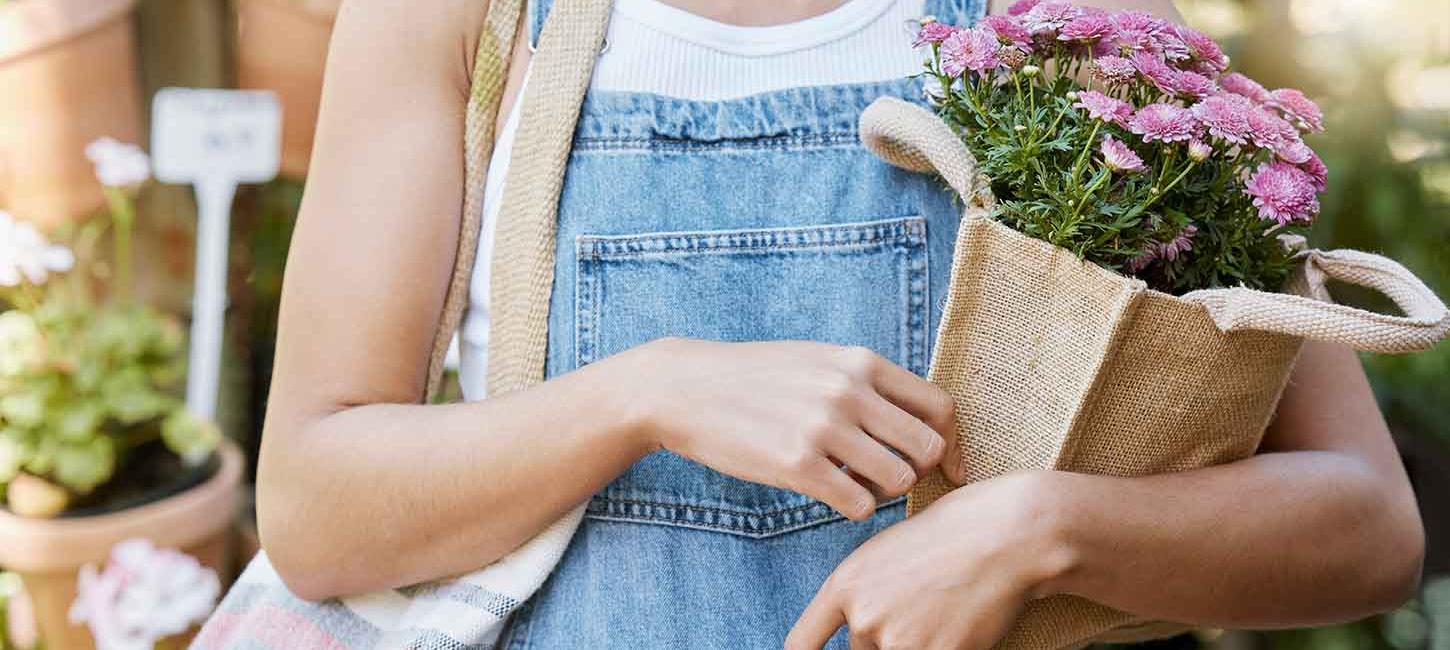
<point x="490" y="72"/>
<point x="523" y="257"/>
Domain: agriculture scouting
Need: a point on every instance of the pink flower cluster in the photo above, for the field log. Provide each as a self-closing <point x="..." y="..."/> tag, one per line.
<point x="1193" y="100"/>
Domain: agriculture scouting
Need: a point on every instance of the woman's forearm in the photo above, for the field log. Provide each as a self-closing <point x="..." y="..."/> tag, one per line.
<point x="385" y="495"/>
<point x="1278" y="540"/>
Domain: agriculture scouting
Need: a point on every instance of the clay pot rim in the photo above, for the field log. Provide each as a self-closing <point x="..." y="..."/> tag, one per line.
<point x="28" y="26"/>
<point x="180" y="521"/>
<point x="324" y="17"/>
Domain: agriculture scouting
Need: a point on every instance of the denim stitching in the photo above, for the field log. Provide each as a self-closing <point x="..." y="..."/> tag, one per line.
<point x="606" y="508"/>
<point x="909" y="230"/>
<point x="584" y="143"/>
<point x="585" y="307"/>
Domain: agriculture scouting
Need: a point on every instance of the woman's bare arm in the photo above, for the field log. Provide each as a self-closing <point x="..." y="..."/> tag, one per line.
<point x="359" y="487"/>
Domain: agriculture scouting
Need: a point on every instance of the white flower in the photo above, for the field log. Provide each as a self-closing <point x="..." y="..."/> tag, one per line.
<point x="119" y="164"/>
<point x="25" y="254"/>
<point x="143" y="595"/>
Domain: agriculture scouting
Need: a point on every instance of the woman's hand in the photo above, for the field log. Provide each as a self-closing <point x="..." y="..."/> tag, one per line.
<point x="790" y="414"/>
<point x="955" y="576"/>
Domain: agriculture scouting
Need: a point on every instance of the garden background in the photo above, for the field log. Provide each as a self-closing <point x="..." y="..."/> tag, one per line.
<point x="1380" y="68"/>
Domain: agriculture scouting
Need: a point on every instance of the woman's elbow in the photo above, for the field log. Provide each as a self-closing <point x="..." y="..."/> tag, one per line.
<point x="291" y="549"/>
<point x="293" y="528"/>
<point x="1396" y="570"/>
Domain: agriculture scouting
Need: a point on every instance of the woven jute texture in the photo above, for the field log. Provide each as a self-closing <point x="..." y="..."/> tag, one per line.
<point x="1059" y="364"/>
<point x="523" y="257"/>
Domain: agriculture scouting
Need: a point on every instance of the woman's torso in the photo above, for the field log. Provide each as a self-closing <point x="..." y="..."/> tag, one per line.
<point x="717" y="189"/>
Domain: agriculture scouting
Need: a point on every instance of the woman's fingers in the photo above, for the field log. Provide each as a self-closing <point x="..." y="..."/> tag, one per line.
<point x="873" y="461"/>
<point x="827" y="483"/>
<point x="929" y="404"/>
<point x="922" y="446"/>
<point x="817" y="624"/>
<point x="917" y="396"/>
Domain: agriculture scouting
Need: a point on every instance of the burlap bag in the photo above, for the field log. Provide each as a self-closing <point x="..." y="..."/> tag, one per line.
<point x="1060" y="364"/>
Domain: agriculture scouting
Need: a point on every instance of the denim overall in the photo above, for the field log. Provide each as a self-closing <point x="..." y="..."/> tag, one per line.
<point x="752" y="219"/>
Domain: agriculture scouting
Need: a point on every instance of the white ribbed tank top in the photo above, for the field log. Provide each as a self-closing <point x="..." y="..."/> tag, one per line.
<point x="659" y="49"/>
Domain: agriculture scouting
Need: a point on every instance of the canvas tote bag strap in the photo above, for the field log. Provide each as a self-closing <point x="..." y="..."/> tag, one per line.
<point x="523" y="255"/>
<point x="913" y="138"/>
<point x="1310" y="315"/>
<point x="522" y="261"/>
<point x="490" y="73"/>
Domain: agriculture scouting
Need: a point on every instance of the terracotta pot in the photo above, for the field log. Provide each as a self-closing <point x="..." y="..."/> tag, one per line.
<point x="47" y="553"/>
<point x="68" y="73"/>
<point x="282" y="47"/>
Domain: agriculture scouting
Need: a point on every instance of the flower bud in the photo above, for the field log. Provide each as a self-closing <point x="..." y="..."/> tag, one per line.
<point x="1011" y="56"/>
<point x="1030" y="71"/>
<point x="1071" y="95"/>
<point x="1019" y="128"/>
<point x="1199" y="151"/>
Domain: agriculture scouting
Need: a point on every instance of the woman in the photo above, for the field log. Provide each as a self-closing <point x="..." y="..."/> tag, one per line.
<point x="705" y="384"/>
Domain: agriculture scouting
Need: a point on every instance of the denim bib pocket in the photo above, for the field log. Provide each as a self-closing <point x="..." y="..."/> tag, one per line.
<point x="860" y="284"/>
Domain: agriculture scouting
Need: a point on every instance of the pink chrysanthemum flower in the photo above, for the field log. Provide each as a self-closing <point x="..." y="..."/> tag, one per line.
<point x="1203" y="50"/>
<point x="1317" y="171"/>
<point x="1050" y="16"/>
<point x="1163" y="122"/>
<point x="969" y="49"/>
<point x="1269" y="131"/>
<point x="1180" y="244"/>
<point x="1021" y="7"/>
<point x="1133" y="31"/>
<point x="1283" y="193"/>
<point x="1157" y="72"/>
<point x="1114" y="70"/>
<point x="1241" y="85"/>
<point x="1118" y="157"/>
<point x="1192" y="85"/>
<point x="1226" y="116"/>
<point x="1008" y="31"/>
<point x="1169" y="250"/>
<point x="1294" y="152"/>
<point x="1172" y="46"/>
<point x="1299" y="108"/>
<point x="1198" y="150"/>
<point x="1105" y="108"/>
<point x="933" y="33"/>
<point x="1086" y="29"/>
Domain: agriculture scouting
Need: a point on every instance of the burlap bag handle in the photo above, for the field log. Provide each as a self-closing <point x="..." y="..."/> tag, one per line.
<point x="911" y="137"/>
<point x="523" y="256"/>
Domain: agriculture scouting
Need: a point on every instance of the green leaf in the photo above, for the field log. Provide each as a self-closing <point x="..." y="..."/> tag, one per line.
<point x="191" y="437"/>
<point x="82" y="467"/>
<point x="23" y="409"/>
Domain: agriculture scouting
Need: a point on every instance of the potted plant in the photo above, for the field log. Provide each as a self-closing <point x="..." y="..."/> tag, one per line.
<point x="73" y="63"/>
<point x="95" y="446"/>
<point x="282" y="47"/>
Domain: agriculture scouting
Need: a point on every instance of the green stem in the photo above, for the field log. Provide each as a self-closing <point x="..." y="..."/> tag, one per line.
<point x="1087" y="148"/>
<point x="123" y="215"/>
<point x="1087" y="195"/>
<point x="1154" y="198"/>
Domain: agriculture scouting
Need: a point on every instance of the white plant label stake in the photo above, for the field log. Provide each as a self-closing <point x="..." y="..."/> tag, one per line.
<point x="214" y="140"/>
